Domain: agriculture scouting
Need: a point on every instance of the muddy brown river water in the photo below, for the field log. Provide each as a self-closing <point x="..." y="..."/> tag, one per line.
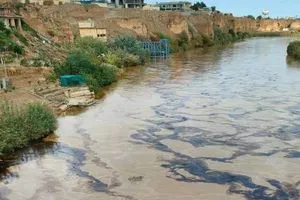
<point x="208" y="124"/>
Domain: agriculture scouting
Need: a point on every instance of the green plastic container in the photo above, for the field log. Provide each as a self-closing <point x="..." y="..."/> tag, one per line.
<point x="72" y="80"/>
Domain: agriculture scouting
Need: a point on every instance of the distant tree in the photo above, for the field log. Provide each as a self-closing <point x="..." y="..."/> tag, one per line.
<point x="259" y="17"/>
<point x="198" y="5"/>
<point x="213" y="8"/>
<point x="251" y="17"/>
<point x="202" y="5"/>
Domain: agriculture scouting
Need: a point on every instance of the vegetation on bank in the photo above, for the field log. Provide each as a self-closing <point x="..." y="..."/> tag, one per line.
<point x="267" y="34"/>
<point x="19" y="126"/>
<point x="6" y="40"/>
<point x="293" y="50"/>
<point x="183" y="42"/>
<point x="223" y="38"/>
<point x="99" y="62"/>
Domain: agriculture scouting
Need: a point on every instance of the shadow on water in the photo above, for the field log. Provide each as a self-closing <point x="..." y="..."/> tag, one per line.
<point x="36" y="150"/>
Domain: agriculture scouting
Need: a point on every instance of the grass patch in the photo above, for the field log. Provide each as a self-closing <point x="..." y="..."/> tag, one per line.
<point x="19" y="126"/>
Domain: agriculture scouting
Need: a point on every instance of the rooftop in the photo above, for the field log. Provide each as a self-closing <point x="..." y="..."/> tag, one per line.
<point x="174" y="2"/>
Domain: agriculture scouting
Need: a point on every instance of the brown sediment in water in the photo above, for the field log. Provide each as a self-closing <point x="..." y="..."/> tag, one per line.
<point x="215" y="124"/>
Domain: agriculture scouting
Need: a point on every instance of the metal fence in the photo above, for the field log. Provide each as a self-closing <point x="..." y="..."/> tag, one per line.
<point x="160" y="49"/>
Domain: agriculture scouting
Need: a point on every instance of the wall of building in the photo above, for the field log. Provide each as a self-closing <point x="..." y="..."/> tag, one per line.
<point x="41" y="2"/>
<point x="94" y="32"/>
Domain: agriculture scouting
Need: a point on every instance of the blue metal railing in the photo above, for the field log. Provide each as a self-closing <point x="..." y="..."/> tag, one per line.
<point x="158" y="49"/>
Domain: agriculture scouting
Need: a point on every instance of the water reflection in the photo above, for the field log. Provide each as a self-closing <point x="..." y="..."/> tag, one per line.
<point x="36" y="151"/>
<point x="292" y="63"/>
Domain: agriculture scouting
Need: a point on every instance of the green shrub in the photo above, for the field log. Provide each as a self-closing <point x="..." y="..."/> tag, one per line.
<point x="96" y="76"/>
<point x="21" y="37"/>
<point x="19" y="126"/>
<point x="183" y="41"/>
<point x="114" y="58"/>
<point x="127" y="43"/>
<point x="7" y="43"/>
<point x="293" y="49"/>
<point x="91" y="45"/>
<point x="24" y="62"/>
<point x="222" y="38"/>
<point x="15" y="48"/>
<point x="2" y="26"/>
<point x="197" y="41"/>
<point x="130" y="45"/>
<point x="207" y="41"/>
<point x="120" y="58"/>
<point x="52" y="77"/>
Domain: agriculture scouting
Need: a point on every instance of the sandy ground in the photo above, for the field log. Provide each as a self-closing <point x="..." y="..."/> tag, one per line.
<point x="24" y="80"/>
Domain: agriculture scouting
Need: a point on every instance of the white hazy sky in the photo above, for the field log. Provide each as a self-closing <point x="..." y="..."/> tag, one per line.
<point x="277" y="8"/>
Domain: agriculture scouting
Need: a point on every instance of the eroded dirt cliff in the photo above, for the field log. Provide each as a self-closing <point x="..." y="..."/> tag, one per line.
<point x="61" y="22"/>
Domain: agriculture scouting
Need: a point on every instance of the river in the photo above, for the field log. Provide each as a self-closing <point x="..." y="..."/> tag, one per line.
<point x="218" y="123"/>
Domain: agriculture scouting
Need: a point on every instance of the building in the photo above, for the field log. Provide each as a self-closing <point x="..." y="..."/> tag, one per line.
<point x="179" y="5"/>
<point x="128" y="3"/>
<point x="46" y="2"/>
<point x="88" y="29"/>
<point x="10" y="19"/>
<point x="102" y="3"/>
<point x="150" y="7"/>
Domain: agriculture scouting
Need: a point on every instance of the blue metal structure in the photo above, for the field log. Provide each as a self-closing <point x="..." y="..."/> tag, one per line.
<point x="158" y="49"/>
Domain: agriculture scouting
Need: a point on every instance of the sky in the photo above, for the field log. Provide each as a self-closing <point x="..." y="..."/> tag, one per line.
<point x="277" y="8"/>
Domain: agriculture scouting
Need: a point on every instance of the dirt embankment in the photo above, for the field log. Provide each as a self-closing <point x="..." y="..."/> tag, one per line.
<point x="24" y="80"/>
<point x="61" y="22"/>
